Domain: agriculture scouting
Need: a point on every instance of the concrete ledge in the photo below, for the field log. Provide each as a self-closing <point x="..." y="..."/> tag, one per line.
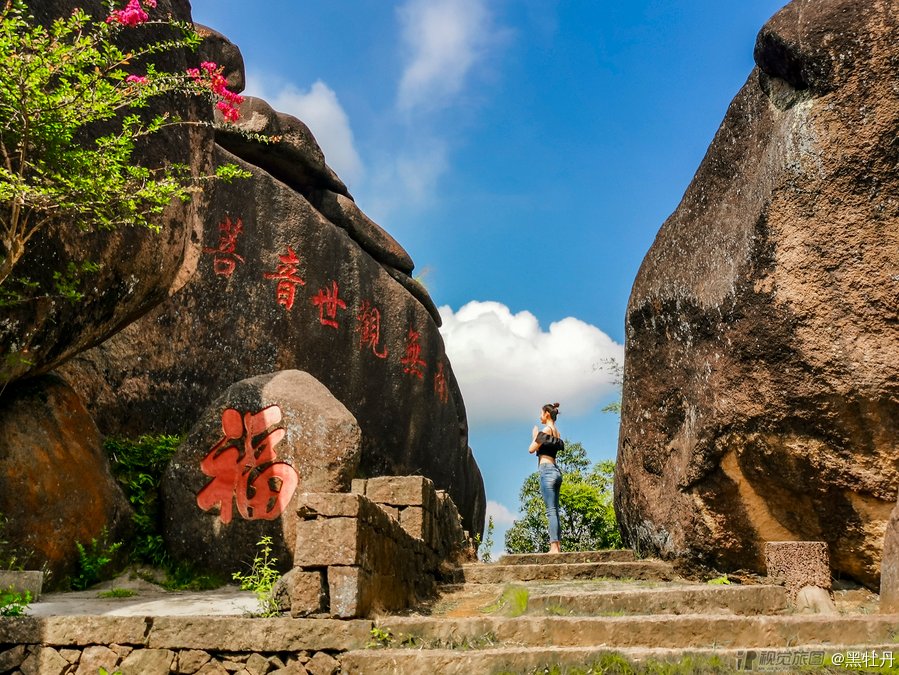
<point x="19" y="582"/>
<point x="536" y="659"/>
<point x="668" y="631"/>
<point x="608" y="555"/>
<point x="257" y="635"/>
<point x="647" y="570"/>
<point x="743" y="600"/>
<point x="74" y="631"/>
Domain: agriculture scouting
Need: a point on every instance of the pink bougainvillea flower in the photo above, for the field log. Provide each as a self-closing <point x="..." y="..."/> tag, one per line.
<point x="209" y="75"/>
<point x="132" y="15"/>
<point x="229" y="112"/>
<point x="137" y="79"/>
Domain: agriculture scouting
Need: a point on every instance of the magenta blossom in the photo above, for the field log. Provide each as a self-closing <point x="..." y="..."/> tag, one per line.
<point x="137" y="79"/>
<point x="132" y="15"/>
<point x="209" y="74"/>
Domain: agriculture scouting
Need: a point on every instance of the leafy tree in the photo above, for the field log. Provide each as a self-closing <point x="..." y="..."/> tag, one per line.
<point x="70" y="98"/>
<point x="586" y="512"/>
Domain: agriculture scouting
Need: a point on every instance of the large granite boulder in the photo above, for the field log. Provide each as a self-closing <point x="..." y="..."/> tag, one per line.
<point x="57" y="485"/>
<point x="138" y="268"/>
<point x="233" y="479"/>
<point x="281" y="287"/>
<point x="761" y="385"/>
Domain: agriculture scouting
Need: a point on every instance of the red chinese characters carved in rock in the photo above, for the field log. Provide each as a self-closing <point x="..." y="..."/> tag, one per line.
<point x="369" y="329"/>
<point x="440" y="386"/>
<point x="226" y="258"/>
<point x="287" y="277"/>
<point x="412" y="363"/>
<point x="245" y="470"/>
<point x="328" y="303"/>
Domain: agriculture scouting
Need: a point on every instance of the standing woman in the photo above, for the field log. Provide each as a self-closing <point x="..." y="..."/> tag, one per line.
<point x="547" y="444"/>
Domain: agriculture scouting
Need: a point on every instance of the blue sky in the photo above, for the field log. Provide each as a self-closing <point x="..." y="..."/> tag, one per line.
<point x="525" y="153"/>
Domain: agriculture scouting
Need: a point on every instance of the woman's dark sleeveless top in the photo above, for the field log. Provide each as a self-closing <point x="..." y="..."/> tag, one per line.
<point x="549" y="445"/>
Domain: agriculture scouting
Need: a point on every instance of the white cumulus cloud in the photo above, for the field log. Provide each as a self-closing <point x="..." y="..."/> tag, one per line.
<point x="508" y="366"/>
<point x="320" y="109"/>
<point x="443" y="39"/>
<point x="501" y="514"/>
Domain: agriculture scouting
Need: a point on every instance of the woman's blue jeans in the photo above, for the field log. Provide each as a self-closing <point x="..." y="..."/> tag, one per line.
<point x="550" y="484"/>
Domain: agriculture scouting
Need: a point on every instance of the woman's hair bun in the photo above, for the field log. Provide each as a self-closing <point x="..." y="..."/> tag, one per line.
<point x="556" y="406"/>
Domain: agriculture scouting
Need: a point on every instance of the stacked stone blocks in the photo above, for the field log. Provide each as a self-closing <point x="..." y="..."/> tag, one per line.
<point x="379" y="548"/>
<point x="799" y="564"/>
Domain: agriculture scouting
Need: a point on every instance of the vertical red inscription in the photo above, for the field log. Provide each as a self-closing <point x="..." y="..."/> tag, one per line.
<point x="412" y="363"/>
<point x="328" y="303"/>
<point x="440" y="386"/>
<point x="226" y="258"/>
<point x="287" y="277"/>
<point x="244" y="469"/>
<point x="369" y="329"/>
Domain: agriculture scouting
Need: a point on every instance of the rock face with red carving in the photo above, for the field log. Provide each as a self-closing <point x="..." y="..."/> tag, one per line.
<point x="57" y="486"/>
<point x="137" y="267"/>
<point x="233" y="479"/>
<point x="280" y="287"/>
<point x="761" y="386"/>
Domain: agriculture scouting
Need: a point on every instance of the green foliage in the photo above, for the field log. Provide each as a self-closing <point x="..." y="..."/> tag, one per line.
<point x="512" y="602"/>
<point x="719" y="581"/>
<point x="485" y="548"/>
<point x="614" y="663"/>
<point x="103" y="671"/>
<point x="117" y="593"/>
<point x="186" y="577"/>
<point x="14" y="604"/>
<point x="73" y="115"/>
<point x="262" y="578"/>
<point x="381" y="638"/>
<point x="586" y="511"/>
<point x="93" y="560"/>
<point x="138" y="466"/>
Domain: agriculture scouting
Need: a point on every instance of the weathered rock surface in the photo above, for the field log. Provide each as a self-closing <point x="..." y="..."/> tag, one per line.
<point x="219" y="49"/>
<point x="58" y="489"/>
<point x="280" y="287"/>
<point x="234" y="477"/>
<point x="761" y="386"/>
<point x="293" y="156"/>
<point x="889" y="574"/>
<point x="138" y="267"/>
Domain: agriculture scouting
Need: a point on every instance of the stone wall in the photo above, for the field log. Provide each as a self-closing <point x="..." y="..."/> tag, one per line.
<point x="383" y="550"/>
<point x="187" y="645"/>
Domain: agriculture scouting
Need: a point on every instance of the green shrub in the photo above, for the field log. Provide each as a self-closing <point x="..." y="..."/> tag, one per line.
<point x="262" y="578"/>
<point x="138" y="466"/>
<point x="14" y="604"/>
<point x="93" y="560"/>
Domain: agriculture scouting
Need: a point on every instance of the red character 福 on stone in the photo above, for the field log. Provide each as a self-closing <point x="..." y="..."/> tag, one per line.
<point x="287" y="277"/>
<point x="226" y="258"/>
<point x="328" y="303"/>
<point x="369" y="329"/>
<point x="412" y="363"/>
<point x="440" y="386"/>
<point x="244" y="469"/>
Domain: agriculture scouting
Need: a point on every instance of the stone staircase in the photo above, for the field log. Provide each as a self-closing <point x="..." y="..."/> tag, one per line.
<point x="612" y="612"/>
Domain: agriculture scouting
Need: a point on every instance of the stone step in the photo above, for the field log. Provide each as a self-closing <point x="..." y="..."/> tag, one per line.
<point x="607" y="555"/>
<point x="694" y="599"/>
<point x="529" y="660"/>
<point x="641" y="570"/>
<point x="659" y="631"/>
